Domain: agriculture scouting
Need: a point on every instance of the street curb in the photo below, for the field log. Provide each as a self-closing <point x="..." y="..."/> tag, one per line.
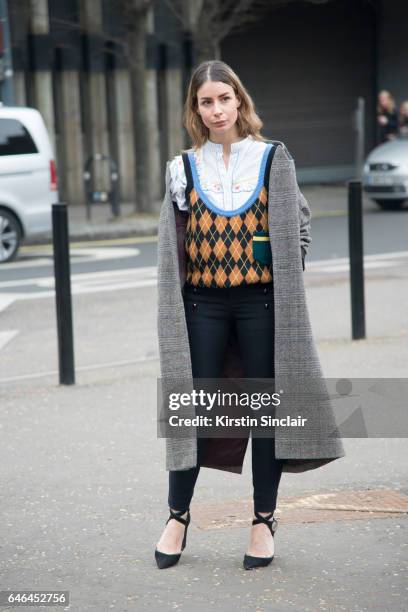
<point x="98" y="232"/>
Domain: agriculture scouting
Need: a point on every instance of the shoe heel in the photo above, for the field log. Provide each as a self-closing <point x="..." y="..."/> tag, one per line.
<point x="251" y="562"/>
<point x="165" y="560"/>
<point x="183" y="545"/>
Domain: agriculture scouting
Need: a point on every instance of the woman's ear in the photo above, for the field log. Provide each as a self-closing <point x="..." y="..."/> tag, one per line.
<point x="239" y="101"/>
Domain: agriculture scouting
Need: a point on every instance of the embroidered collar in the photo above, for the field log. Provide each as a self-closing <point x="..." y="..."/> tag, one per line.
<point x="216" y="147"/>
<point x="254" y="195"/>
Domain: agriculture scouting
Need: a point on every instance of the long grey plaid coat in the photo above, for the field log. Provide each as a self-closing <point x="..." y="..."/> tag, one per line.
<point x="296" y="357"/>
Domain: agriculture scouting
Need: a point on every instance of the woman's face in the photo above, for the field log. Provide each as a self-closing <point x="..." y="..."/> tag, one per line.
<point x="384" y="99"/>
<point x="218" y="105"/>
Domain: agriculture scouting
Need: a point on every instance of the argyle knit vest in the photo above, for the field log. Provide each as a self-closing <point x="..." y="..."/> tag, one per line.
<point x="228" y="248"/>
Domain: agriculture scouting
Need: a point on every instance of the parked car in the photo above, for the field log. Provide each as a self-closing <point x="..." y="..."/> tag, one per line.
<point x="28" y="178"/>
<point x="385" y="176"/>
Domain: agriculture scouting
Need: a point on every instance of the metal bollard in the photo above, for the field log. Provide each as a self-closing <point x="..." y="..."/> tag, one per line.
<point x="63" y="293"/>
<point x="355" y="232"/>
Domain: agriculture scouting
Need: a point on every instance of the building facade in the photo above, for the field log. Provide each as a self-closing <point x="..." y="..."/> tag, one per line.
<point x="305" y="64"/>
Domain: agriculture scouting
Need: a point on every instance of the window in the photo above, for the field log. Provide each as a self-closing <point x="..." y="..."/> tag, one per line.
<point x="15" y="139"/>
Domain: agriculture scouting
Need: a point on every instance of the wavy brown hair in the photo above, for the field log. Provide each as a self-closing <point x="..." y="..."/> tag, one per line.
<point x="248" y="122"/>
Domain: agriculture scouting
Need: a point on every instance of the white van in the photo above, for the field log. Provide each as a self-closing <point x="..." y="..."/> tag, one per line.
<point x="28" y="178"/>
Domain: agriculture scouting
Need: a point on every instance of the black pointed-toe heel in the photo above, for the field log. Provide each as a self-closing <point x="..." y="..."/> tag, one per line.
<point x="253" y="562"/>
<point x="164" y="560"/>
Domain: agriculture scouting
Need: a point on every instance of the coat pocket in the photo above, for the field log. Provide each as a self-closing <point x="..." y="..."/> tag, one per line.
<point x="261" y="248"/>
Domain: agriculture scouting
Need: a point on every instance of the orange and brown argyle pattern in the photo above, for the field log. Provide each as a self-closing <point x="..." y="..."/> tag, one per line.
<point x="219" y="248"/>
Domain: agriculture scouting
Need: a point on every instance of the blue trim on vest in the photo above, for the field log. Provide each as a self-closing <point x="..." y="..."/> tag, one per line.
<point x="248" y="203"/>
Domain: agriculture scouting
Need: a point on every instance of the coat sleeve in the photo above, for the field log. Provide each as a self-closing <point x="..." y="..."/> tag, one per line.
<point x="304" y="215"/>
<point x="304" y="220"/>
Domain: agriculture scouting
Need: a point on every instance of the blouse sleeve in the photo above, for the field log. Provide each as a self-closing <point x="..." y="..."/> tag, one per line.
<point x="178" y="182"/>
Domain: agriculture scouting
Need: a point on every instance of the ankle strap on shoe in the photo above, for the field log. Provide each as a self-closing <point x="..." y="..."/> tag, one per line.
<point x="272" y="524"/>
<point x="177" y="516"/>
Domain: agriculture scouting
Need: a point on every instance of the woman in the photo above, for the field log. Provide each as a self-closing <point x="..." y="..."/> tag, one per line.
<point x="387" y="116"/>
<point x="233" y="233"/>
<point x="403" y="122"/>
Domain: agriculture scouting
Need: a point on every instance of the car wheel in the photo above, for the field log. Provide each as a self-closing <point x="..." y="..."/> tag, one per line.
<point x="10" y="236"/>
<point x="390" y="204"/>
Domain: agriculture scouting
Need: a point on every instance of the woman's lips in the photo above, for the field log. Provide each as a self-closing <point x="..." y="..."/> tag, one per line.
<point x="220" y="123"/>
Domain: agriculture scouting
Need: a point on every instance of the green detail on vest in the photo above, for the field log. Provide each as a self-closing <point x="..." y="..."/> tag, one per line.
<point x="261" y="247"/>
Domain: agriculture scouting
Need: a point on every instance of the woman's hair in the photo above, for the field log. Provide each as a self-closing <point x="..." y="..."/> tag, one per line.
<point x="390" y="100"/>
<point x="248" y="122"/>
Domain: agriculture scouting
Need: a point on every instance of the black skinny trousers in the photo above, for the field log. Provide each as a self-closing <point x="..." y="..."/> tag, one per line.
<point x="210" y="313"/>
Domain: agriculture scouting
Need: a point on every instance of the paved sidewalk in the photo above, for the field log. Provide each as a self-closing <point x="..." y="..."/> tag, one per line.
<point x="324" y="200"/>
<point x="84" y="485"/>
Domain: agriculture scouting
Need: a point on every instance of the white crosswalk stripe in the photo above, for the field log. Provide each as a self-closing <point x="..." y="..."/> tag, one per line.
<point x="94" y="282"/>
<point x="44" y="257"/>
<point x="135" y="278"/>
<point x="371" y="262"/>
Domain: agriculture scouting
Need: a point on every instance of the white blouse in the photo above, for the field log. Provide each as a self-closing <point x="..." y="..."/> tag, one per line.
<point x="228" y="188"/>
